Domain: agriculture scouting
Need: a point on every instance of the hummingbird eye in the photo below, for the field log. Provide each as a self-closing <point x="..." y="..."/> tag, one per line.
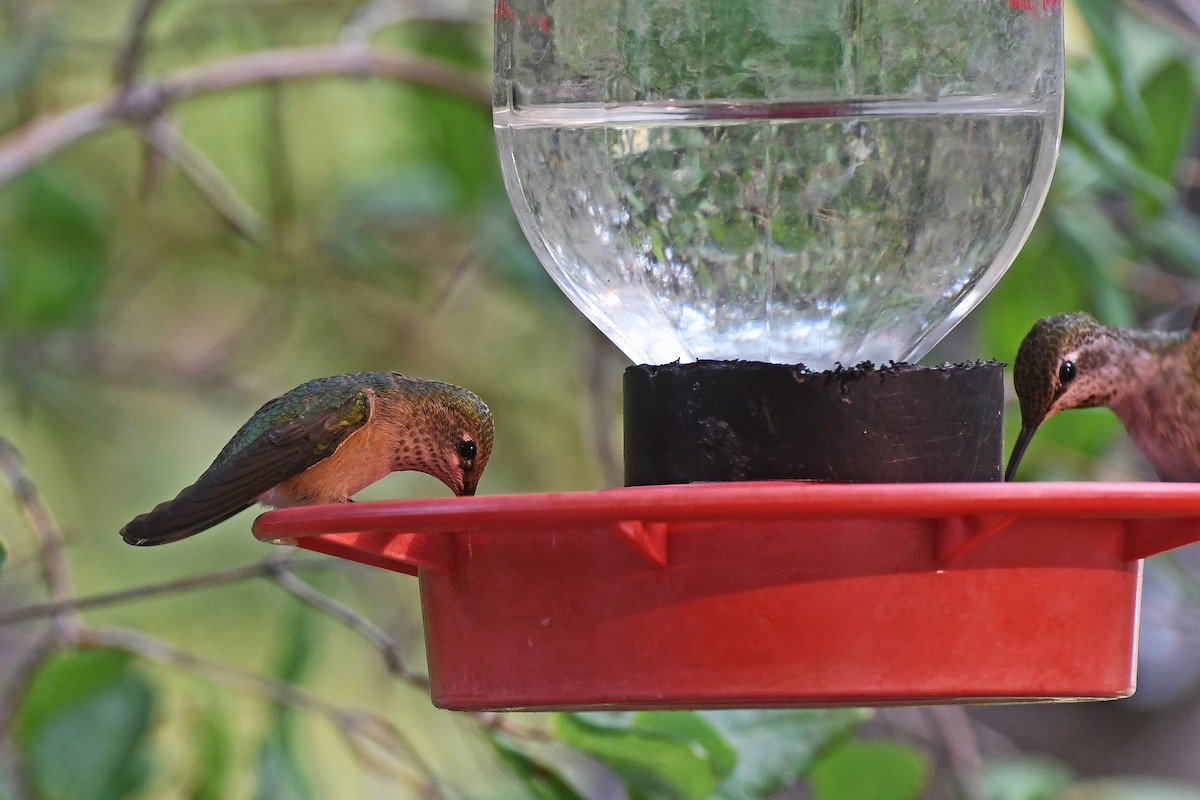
<point x="467" y="450"/>
<point x="1066" y="373"/>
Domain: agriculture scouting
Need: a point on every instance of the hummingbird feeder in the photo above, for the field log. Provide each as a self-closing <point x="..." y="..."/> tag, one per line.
<point x="773" y="211"/>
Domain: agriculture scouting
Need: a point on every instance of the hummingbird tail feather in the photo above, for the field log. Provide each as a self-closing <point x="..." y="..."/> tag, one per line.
<point x="197" y="508"/>
<point x="255" y="461"/>
<point x="226" y="488"/>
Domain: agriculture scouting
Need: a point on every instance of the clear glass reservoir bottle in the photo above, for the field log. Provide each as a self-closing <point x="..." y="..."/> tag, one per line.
<point x="789" y="181"/>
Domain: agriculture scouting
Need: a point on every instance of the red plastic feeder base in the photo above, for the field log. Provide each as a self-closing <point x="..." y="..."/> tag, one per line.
<point x="770" y="594"/>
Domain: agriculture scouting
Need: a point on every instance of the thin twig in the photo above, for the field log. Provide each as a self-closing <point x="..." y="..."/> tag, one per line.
<point x="129" y="57"/>
<point x="126" y="68"/>
<point x="281" y="574"/>
<point x="501" y="723"/>
<point x="204" y="580"/>
<point x="234" y="209"/>
<point x="50" y="134"/>
<point x="55" y="569"/>
<point x="958" y="741"/>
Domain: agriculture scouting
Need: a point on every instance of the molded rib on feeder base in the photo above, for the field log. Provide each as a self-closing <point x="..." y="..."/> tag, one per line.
<point x="777" y="593"/>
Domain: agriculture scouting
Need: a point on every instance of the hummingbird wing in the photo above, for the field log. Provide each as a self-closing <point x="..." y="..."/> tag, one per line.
<point x="255" y="460"/>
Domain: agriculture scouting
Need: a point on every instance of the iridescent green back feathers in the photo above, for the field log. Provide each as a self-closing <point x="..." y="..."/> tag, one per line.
<point x="315" y="396"/>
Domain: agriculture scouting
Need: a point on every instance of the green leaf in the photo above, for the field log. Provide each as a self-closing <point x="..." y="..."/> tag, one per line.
<point x="776" y="748"/>
<point x="1173" y="236"/>
<point x="541" y="780"/>
<point x="1087" y="432"/>
<point x="1026" y="779"/>
<point x="213" y="745"/>
<point x="54" y="245"/>
<point x="3" y="553"/>
<point x="280" y="776"/>
<point x="455" y="135"/>
<point x="1170" y="98"/>
<point x="1043" y="280"/>
<point x="692" y="727"/>
<point x="64" y="679"/>
<point x="1130" y="115"/>
<point x="281" y="771"/>
<point x="681" y="759"/>
<point x="1095" y="248"/>
<point x="1092" y="91"/>
<point x="870" y="771"/>
<point x="91" y="710"/>
<point x="1115" y="157"/>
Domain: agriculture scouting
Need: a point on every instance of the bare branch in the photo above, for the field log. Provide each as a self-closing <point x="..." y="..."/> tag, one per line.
<point x="958" y="740"/>
<point x="379" y="745"/>
<point x="259" y="569"/>
<point x="50" y="134"/>
<point x="55" y="569"/>
<point x="281" y="573"/>
<point x="204" y="175"/>
<point x="500" y="723"/>
<point x="129" y="57"/>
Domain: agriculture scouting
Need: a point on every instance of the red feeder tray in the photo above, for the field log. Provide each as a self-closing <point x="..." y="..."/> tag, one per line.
<point x="778" y="593"/>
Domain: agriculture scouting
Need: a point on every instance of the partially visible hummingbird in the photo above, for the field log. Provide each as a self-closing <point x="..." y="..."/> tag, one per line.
<point x="324" y="441"/>
<point x="1150" y="380"/>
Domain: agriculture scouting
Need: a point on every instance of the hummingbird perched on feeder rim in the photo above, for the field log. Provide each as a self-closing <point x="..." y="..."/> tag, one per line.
<point x="324" y="441"/>
<point x="1150" y="380"/>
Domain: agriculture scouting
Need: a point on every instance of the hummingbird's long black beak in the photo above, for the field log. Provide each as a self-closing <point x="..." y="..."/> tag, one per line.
<point x="1023" y="438"/>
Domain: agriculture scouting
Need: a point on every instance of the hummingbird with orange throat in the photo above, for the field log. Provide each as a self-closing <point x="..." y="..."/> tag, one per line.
<point x="1150" y="380"/>
<point x="326" y="440"/>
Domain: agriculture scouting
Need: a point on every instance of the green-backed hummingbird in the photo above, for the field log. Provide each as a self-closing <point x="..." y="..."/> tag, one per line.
<point x="324" y="441"/>
<point x="1150" y="380"/>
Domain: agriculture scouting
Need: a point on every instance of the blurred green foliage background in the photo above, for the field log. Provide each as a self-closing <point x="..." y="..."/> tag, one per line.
<point x="152" y="296"/>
